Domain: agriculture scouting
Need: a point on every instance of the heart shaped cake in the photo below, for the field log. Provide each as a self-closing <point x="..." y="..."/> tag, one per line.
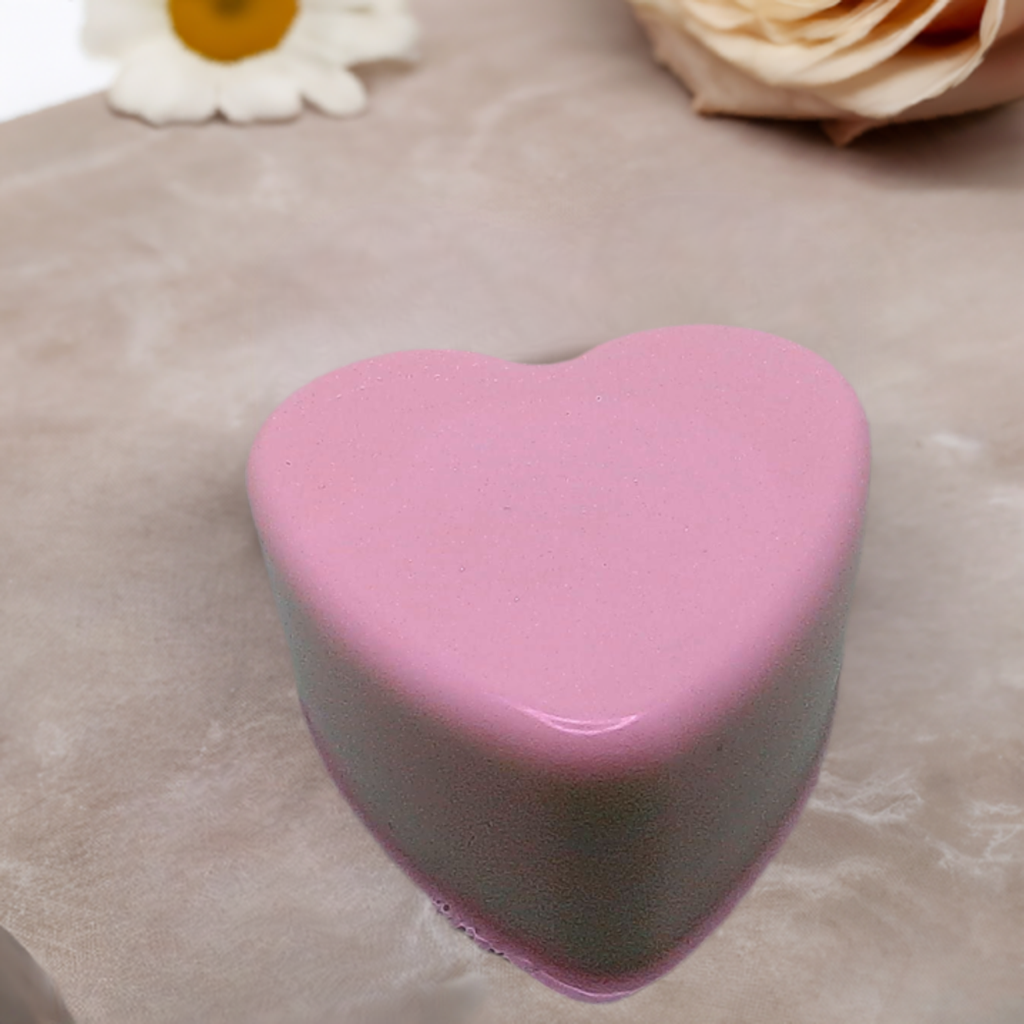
<point x="568" y="636"/>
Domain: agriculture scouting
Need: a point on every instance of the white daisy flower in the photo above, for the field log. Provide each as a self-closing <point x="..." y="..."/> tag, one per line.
<point x="185" y="60"/>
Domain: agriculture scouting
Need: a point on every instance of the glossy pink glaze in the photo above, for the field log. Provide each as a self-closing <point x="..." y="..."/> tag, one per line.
<point x="518" y="596"/>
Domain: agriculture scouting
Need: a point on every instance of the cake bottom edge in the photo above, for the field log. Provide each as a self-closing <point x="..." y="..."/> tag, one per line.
<point x="574" y="984"/>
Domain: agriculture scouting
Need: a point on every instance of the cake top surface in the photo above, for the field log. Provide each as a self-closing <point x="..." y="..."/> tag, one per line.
<point x="602" y="546"/>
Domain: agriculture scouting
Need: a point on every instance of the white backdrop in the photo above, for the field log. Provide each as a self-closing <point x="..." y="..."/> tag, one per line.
<point x="41" y="59"/>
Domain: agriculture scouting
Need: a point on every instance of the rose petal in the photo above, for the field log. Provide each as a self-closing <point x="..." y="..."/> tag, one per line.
<point x="999" y="79"/>
<point x="838" y="28"/>
<point x="162" y="82"/>
<point x="842" y="133"/>
<point x="822" y="23"/>
<point x="1013" y="17"/>
<point x="830" y="61"/>
<point x="915" y="75"/>
<point x="865" y="83"/>
<point x="718" y="87"/>
<point x="874" y="77"/>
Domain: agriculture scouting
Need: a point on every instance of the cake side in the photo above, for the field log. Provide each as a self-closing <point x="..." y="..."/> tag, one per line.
<point x="597" y="885"/>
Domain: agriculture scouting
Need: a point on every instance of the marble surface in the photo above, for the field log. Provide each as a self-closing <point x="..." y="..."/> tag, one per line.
<point x="172" y="850"/>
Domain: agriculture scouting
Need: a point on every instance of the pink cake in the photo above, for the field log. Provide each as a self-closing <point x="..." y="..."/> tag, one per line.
<point x="568" y="636"/>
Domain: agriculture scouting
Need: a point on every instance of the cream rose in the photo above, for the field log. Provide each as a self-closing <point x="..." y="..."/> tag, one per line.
<point x="852" y="64"/>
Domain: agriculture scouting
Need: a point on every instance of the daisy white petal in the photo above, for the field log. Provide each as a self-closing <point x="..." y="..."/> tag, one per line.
<point x="161" y="82"/>
<point x="233" y="65"/>
<point x="334" y="6"/>
<point x="113" y="27"/>
<point x="262" y="88"/>
<point x="351" y="38"/>
<point x="335" y="91"/>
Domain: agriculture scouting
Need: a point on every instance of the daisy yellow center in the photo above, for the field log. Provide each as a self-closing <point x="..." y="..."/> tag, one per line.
<point x="228" y="30"/>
